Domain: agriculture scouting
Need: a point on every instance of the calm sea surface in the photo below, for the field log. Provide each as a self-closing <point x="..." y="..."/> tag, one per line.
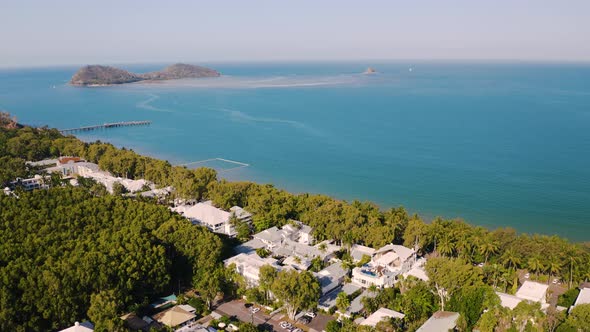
<point x="494" y="144"/>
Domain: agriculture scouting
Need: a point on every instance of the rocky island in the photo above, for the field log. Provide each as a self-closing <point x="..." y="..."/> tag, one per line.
<point x="369" y="71"/>
<point x="97" y="75"/>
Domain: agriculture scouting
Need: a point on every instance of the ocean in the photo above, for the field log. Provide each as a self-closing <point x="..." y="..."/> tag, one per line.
<point x="496" y="144"/>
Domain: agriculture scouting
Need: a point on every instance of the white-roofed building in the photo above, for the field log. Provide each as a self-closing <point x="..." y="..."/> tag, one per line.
<point x="509" y="301"/>
<point x="331" y="277"/>
<point x="385" y="266"/>
<point x="357" y="252"/>
<point x="380" y="315"/>
<point x="248" y="265"/>
<point x="328" y="301"/>
<point x="583" y="297"/>
<point x="205" y="214"/>
<point x="80" y="327"/>
<point x="440" y="321"/>
<point x="356" y="305"/>
<point x="533" y="291"/>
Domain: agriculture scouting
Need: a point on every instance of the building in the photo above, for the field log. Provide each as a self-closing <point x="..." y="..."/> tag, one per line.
<point x="241" y="214"/>
<point x="175" y="317"/>
<point x="80" y="327"/>
<point x="583" y="297"/>
<point x="380" y="315"/>
<point x="356" y="305"/>
<point x="248" y="265"/>
<point x="440" y="321"/>
<point x="328" y="301"/>
<point x="36" y="182"/>
<point x="533" y="291"/>
<point x="385" y="266"/>
<point x="331" y="277"/>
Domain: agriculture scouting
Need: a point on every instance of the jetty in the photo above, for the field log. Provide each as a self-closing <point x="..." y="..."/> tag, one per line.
<point x="105" y="126"/>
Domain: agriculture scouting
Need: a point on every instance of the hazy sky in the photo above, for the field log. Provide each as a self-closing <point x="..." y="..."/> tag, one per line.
<point x="108" y="31"/>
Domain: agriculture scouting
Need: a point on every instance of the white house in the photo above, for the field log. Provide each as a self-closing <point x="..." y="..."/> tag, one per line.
<point x="248" y="265"/>
<point x="331" y="277"/>
<point x="583" y="297"/>
<point x="529" y="291"/>
<point x="380" y="315"/>
<point x="385" y="266"/>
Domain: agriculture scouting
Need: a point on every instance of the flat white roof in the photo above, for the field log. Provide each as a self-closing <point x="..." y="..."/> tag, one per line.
<point x="583" y="297"/>
<point x="532" y="291"/>
<point x="379" y="315"/>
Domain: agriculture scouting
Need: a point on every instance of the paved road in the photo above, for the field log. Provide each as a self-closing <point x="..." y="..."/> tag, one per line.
<point x="237" y="309"/>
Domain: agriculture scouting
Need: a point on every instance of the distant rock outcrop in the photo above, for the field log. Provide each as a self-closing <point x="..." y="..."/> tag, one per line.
<point x="7" y="121"/>
<point x="97" y="75"/>
<point x="370" y="71"/>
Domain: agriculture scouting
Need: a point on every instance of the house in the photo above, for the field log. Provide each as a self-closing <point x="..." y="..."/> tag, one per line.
<point x="379" y="315"/>
<point x="328" y="301"/>
<point x="385" y="266"/>
<point x="175" y="317"/>
<point x="331" y="277"/>
<point x="80" y="327"/>
<point x="440" y="321"/>
<point x="248" y="265"/>
<point x="583" y="297"/>
<point x="533" y="291"/>
<point x="135" y="323"/>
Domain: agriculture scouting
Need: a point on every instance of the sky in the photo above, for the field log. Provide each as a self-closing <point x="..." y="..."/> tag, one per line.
<point x="68" y="32"/>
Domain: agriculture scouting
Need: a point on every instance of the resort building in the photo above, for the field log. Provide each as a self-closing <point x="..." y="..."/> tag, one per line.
<point x="217" y="220"/>
<point x="36" y="182"/>
<point x="356" y="305"/>
<point x="440" y="321"/>
<point x="381" y="315"/>
<point x="328" y="301"/>
<point x="385" y="266"/>
<point x="248" y="265"/>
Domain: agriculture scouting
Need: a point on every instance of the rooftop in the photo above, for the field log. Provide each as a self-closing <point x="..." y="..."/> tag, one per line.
<point x="440" y="321"/>
<point x="80" y="327"/>
<point x="583" y="297"/>
<point x="204" y="213"/>
<point x="532" y="291"/>
<point x="174" y="316"/>
<point x="356" y="305"/>
<point x="508" y="301"/>
<point x="381" y="314"/>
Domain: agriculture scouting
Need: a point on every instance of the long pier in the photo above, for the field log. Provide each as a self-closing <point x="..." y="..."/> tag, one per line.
<point x="106" y="125"/>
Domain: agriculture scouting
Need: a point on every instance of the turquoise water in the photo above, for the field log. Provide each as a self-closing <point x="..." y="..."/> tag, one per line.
<point x="494" y="144"/>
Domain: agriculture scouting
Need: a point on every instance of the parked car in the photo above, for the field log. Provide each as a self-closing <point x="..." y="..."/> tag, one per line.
<point x="232" y="327"/>
<point x="528" y="275"/>
<point x="555" y="281"/>
<point x="310" y="314"/>
<point x="285" y="325"/>
<point x="255" y="310"/>
<point x="297" y="330"/>
<point x="305" y="320"/>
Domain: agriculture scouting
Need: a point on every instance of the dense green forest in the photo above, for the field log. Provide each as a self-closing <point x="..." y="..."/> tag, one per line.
<point x="63" y="247"/>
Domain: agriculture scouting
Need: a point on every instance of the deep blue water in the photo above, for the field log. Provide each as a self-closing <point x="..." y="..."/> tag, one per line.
<point x="495" y="144"/>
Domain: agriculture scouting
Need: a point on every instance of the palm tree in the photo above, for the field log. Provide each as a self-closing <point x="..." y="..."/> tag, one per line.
<point x="535" y="265"/>
<point x="446" y="246"/>
<point x="511" y="258"/>
<point x="571" y="259"/>
<point x="553" y="267"/>
<point x="488" y="247"/>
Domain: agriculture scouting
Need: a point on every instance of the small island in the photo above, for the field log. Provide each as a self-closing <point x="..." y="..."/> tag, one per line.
<point x="97" y="75"/>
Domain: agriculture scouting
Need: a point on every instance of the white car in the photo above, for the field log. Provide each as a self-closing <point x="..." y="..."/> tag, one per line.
<point x="555" y="281"/>
<point x="528" y="275"/>
<point x="285" y="325"/>
<point x="254" y="310"/>
<point x="310" y="314"/>
<point x="233" y="327"/>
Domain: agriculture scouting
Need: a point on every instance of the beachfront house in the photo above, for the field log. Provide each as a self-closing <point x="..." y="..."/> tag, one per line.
<point x="385" y="265"/>
<point x="331" y="277"/>
<point x="529" y="291"/>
